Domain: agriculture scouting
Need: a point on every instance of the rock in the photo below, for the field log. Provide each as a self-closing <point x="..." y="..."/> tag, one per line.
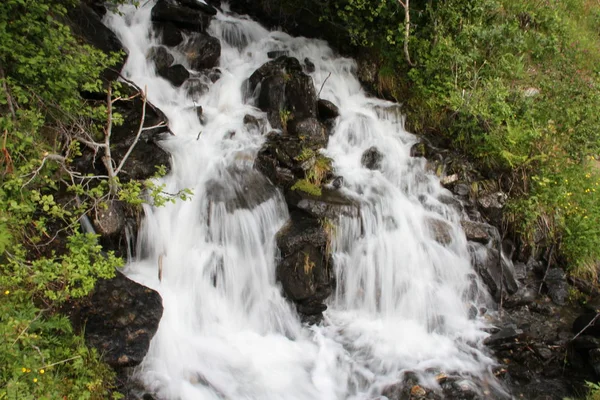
<point x="110" y="220"/>
<point x="305" y="270"/>
<point x="449" y="180"/>
<point x="327" y="110"/>
<point x="284" y="91"/>
<point x="176" y="74"/>
<point x="277" y="53"/>
<point x="88" y="25"/>
<point x="202" y="51"/>
<point x="183" y="17"/>
<point x="556" y="283"/>
<point x="196" y="88"/>
<point x="168" y="33"/>
<point x="505" y="335"/>
<point x="419" y="150"/>
<point x="161" y="57"/>
<point x="371" y="158"/>
<point x="330" y="205"/>
<point x="308" y="129"/>
<point x="492" y="205"/>
<point x="338" y="182"/>
<point x="309" y="66"/>
<point x="493" y="270"/>
<point x="586" y="325"/>
<point x="199" y="6"/>
<point x="523" y="297"/>
<point x="461" y="189"/>
<point x="440" y="230"/>
<point x="476" y="231"/>
<point x="120" y="319"/>
<point x="240" y="189"/>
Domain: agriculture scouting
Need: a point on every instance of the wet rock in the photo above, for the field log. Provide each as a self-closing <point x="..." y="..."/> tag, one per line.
<point x="183" y="17"/>
<point x="240" y="188"/>
<point x="461" y="189"/>
<point x="492" y="206"/>
<point x="199" y="112"/>
<point x="161" y="57"/>
<point x="202" y="51"/>
<point x="308" y="129"/>
<point x="176" y="74"/>
<point x="168" y="33"/>
<point x="330" y="205"/>
<point x="372" y="158"/>
<point x="419" y="150"/>
<point x="277" y="53"/>
<point x="284" y="91"/>
<point x="441" y="230"/>
<point x="87" y="24"/>
<point x="505" y="335"/>
<point x="109" y="220"/>
<point x="338" y="182"/>
<point x="305" y="270"/>
<point x="327" y="110"/>
<point x="120" y="319"/>
<point x="309" y="66"/>
<point x="493" y="270"/>
<point x="196" y="88"/>
<point x="524" y="296"/>
<point x="199" y="6"/>
<point x="476" y="231"/>
<point x="556" y="283"/>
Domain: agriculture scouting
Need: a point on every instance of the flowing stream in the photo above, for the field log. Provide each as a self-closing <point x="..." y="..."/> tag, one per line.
<point x="402" y="298"/>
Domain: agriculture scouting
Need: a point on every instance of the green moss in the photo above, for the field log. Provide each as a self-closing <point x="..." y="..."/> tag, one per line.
<point x="304" y="185"/>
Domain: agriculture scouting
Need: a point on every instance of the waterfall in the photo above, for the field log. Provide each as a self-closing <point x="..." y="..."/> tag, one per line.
<point x="403" y="302"/>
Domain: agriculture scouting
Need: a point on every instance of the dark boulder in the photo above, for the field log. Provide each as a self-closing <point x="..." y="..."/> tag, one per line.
<point x="176" y="74"/>
<point x="87" y="24"/>
<point x="371" y="158"/>
<point x="196" y="87"/>
<point x="183" y="17"/>
<point x="494" y="270"/>
<point x="161" y="57"/>
<point x="109" y="220"/>
<point x="327" y="110"/>
<point x="120" y="318"/>
<point x="240" y="188"/>
<point x="492" y="206"/>
<point x="202" y="51"/>
<point x="283" y="91"/>
<point x="277" y="53"/>
<point x="477" y="231"/>
<point x="329" y="205"/>
<point x="556" y="283"/>
<point x="199" y="6"/>
<point x="305" y="270"/>
<point x="587" y="324"/>
<point x="309" y="66"/>
<point x="440" y="230"/>
<point x="168" y="33"/>
<point x="308" y="130"/>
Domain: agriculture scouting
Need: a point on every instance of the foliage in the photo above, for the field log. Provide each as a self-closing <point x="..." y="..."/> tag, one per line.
<point x="512" y="84"/>
<point x="304" y="185"/>
<point x="45" y="260"/>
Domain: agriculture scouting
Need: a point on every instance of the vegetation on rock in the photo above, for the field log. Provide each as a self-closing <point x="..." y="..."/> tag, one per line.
<point x="46" y="261"/>
<point x="512" y="84"/>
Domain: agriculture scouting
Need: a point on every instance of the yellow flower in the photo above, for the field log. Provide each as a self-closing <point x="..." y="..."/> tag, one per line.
<point x="7" y="292"/>
<point x="34" y="380"/>
<point x="42" y="371"/>
<point x="24" y="369"/>
<point x="28" y="370"/>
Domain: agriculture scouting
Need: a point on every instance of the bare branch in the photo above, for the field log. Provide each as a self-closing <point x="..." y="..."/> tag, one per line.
<point x="406" y="5"/>
<point x="9" y="99"/>
<point x="139" y="132"/>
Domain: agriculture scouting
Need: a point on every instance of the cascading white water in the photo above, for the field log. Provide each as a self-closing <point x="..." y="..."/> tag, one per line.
<point x="402" y="298"/>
